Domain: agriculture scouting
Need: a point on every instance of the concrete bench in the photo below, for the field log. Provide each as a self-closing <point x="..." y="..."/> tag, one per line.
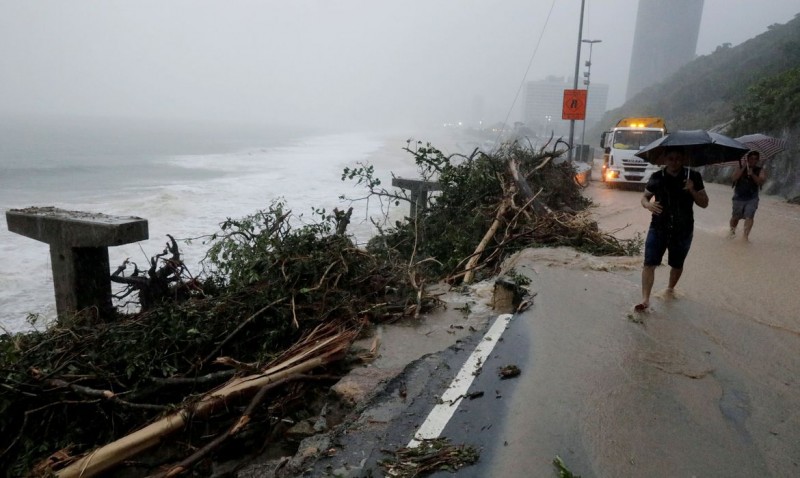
<point x="79" y="244"/>
<point x="419" y="192"/>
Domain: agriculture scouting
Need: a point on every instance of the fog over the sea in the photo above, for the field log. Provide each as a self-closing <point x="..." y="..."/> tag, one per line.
<point x="345" y="63"/>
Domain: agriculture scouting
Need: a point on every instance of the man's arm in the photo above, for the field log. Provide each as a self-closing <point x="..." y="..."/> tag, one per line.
<point x="700" y="197"/>
<point x="654" y="207"/>
<point x="761" y="178"/>
<point x="737" y="173"/>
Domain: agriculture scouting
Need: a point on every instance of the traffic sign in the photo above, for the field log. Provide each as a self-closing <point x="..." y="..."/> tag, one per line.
<point x="574" y="105"/>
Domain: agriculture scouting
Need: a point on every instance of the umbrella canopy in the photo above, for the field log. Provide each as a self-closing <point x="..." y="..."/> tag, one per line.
<point x="766" y="145"/>
<point x="703" y="147"/>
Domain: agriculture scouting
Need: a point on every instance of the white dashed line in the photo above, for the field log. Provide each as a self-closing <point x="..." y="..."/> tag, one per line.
<point x="438" y="417"/>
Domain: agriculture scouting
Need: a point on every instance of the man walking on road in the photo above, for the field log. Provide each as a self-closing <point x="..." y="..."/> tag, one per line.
<point x="747" y="180"/>
<point x="676" y="190"/>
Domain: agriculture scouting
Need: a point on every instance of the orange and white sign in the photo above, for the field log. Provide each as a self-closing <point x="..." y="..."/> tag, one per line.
<point x="574" y="105"/>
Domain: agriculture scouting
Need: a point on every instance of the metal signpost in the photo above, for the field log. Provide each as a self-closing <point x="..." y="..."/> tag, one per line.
<point x="575" y="82"/>
<point x="586" y="82"/>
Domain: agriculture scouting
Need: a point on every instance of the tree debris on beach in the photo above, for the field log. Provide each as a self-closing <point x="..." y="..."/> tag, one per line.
<point x="490" y="206"/>
<point x="215" y="364"/>
<point x="156" y="284"/>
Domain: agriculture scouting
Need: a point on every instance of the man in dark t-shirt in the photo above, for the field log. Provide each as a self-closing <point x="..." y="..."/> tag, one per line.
<point x="676" y="190"/>
<point x="747" y="180"/>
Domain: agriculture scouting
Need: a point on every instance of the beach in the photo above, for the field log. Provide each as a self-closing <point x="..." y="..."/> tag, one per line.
<point x="185" y="180"/>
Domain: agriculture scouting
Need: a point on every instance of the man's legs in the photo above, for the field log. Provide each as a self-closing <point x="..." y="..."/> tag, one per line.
<point x="674" y="277"/>
<point x="678" y="250"/>
<point x="648" y="277"/>
<point x="734" y="222"/>
<point x="654" y="247"/>
<point x="743" y="210"/>
<point x="748" y="225"/>
<point x="737" y="212"/>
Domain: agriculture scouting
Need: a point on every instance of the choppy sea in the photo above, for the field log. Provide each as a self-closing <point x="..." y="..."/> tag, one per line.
<point x="184" y="178"/>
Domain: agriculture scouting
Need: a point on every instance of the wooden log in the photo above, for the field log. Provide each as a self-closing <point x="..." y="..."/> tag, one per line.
<point x="470" y="268"/>
<point x="108" y="456"/>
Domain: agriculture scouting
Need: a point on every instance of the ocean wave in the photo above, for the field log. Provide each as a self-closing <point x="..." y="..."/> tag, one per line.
<point x="184" y="195"/>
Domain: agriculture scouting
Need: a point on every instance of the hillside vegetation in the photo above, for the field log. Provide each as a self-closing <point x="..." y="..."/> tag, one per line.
<point x="705" y="92"/>
<point x="750" y="88"/>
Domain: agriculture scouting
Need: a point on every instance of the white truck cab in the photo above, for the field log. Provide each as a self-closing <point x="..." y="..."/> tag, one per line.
<point x="620" y="165"/>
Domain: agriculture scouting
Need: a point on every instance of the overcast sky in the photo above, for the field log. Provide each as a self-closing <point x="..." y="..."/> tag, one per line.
<point x="344" y="62"/>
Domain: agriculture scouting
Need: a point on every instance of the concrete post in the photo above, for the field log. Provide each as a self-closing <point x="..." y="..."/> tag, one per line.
<point x="419" y="197"/>
<point x="79" y="244"/>
<point x="419" y="192"/>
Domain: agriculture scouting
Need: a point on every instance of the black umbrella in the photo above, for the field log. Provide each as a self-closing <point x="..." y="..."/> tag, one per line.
<point x="703" y="147"/>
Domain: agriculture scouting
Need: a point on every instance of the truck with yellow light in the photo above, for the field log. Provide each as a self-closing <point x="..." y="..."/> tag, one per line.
<point x="620" y="165"/>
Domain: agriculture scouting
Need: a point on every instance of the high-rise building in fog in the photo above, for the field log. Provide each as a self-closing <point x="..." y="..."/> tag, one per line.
<point x="544" y="101"/>
<point x="665" y="39"/>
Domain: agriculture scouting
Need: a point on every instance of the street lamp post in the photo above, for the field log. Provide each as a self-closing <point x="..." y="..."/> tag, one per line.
<point x="586" y="82"/>
<point x="575" y="82"/>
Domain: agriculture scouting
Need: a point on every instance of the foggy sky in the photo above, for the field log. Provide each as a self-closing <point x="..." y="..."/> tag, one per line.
<point x="347" y="63"/>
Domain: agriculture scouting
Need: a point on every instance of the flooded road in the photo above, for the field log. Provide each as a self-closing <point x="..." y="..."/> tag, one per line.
<point x="758" y="278"/>
<point x="705" y="384"/>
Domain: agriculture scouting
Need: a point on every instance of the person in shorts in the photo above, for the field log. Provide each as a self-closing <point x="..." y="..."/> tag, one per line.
<point x="676" y="190"/>
<point x="747" y="178"/>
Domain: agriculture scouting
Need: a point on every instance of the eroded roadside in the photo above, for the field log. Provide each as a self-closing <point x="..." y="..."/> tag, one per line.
<point x="410" y="355"/>
<point x="707" y="377"/>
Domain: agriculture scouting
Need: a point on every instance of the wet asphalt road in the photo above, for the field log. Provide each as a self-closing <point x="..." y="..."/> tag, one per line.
<point x="478" y="418"/>
<point x="703" y="385"/>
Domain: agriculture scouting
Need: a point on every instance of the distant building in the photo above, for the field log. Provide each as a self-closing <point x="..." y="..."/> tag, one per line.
<point x="544" y="104"/>
<point x="596" y="103"/>
<point x="665" y="39"/>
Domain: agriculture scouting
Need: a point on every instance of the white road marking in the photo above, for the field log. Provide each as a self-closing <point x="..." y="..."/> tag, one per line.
<point x="438" y="417"/>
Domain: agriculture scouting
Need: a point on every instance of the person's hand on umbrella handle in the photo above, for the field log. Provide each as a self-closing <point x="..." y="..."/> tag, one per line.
<point x="688" y="185"/>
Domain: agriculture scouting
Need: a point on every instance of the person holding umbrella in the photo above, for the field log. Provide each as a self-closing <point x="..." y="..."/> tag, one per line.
<point x="747" y="180"/>
<point x="676" y="190"/>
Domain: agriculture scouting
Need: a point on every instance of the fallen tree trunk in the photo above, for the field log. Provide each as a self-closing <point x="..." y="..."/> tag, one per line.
<point x="524" y="188"/>
<point x="108" y="456"/>
<point x="473" y="261"/>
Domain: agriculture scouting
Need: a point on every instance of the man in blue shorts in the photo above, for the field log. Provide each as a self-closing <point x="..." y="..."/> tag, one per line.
<point x="747" y="180"/>
<point x="676" y="190"/>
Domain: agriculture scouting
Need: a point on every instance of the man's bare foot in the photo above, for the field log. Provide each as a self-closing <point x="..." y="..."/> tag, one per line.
<point x="642" y="307"/>
<point x="669" y="293"/>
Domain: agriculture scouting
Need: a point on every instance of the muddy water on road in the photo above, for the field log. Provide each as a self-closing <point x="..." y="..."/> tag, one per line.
<point x="758" y="279"/>
<point x="706" y="384"/>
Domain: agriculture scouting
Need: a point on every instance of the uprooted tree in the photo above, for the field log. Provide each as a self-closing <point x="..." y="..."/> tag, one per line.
<point x="213" y="364"/>
<point x="167" y="279"/>
<point x="490" y="206"/>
